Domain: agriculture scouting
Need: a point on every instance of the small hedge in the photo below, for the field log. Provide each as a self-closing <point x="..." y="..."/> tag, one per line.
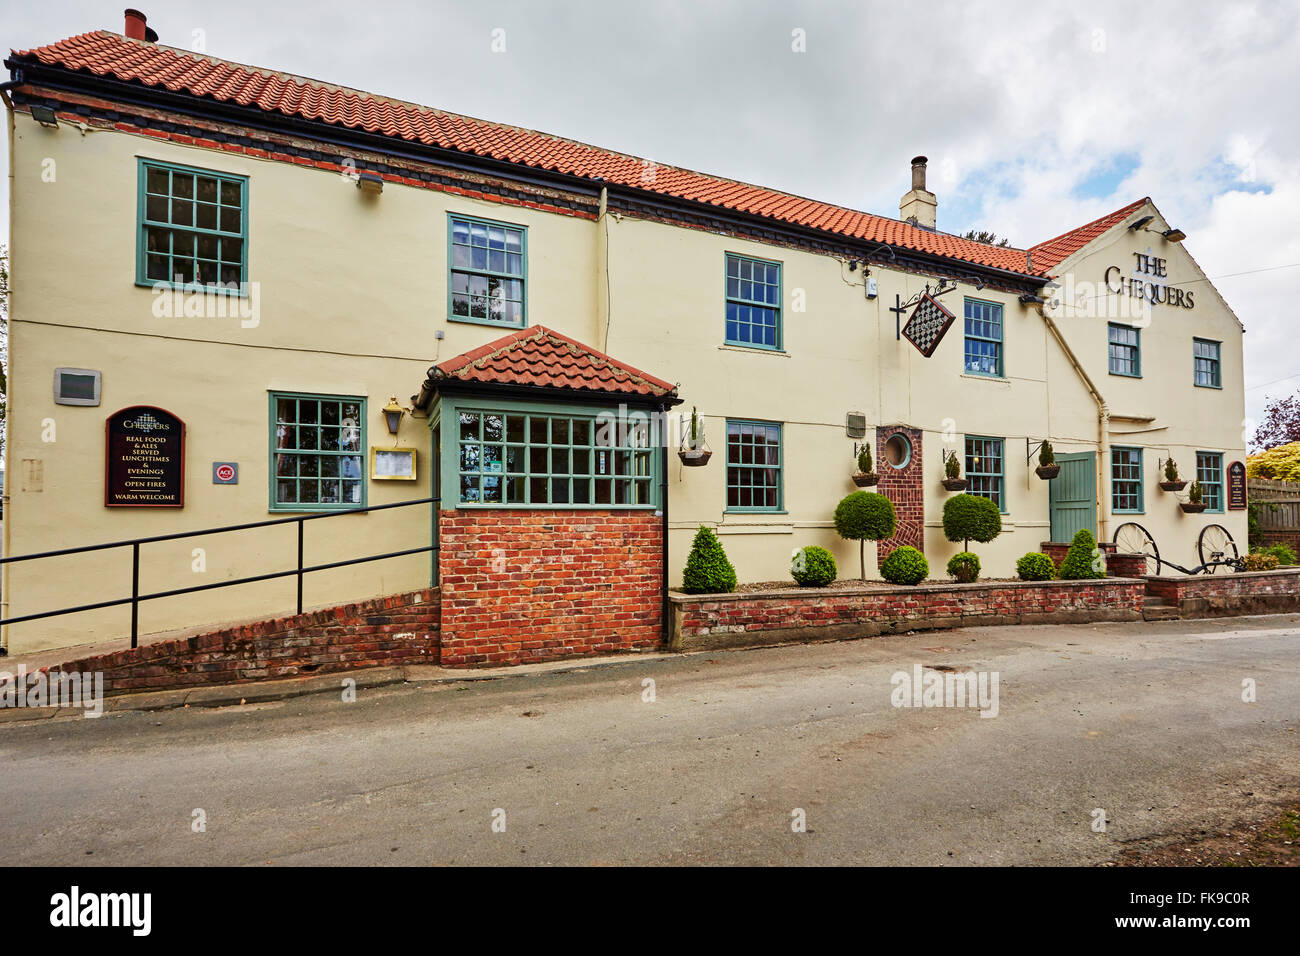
<point x="905" y="565"/>
<point x="964" y="567"/>
<point x="1083" y="560"/>
<point x="1259" y="561"/>
<point x="1282" y="552"/>
<point x="1036" y="566"/>
<point x="707" y="569"/>
<point x="813" y="567"/>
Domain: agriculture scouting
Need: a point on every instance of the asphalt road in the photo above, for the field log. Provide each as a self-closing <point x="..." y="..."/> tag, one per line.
<point x="1142" y="721"/>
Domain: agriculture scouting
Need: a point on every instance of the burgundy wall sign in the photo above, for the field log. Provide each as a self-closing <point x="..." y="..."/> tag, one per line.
<point x="1236" y="486"/>
<point x="145" y="459"/>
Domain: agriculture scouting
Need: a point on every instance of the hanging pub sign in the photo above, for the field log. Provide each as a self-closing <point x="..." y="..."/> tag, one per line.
<point x="928" y="323"/>
<point x="1236" y="486"/>
<point x="145" y="466"/>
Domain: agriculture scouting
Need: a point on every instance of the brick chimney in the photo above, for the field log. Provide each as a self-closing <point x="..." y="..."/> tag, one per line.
<point x="137" y="27"/>
<point x="918" y="206"/>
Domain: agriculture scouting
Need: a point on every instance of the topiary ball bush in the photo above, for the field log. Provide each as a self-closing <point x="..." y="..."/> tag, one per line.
<point x="813" y="567"/>
<point x="1036" y="566"/>
<point x="964" y="567"/>
<point x="905" y="565"/>
<point x="865" y="515"/>
<point x="707" y="569"/>
<point x="1083" y="559"/>
<point x="971" y="518"/>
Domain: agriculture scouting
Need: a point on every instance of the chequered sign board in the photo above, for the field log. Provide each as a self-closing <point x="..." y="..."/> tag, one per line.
<point x="928" y="322"/>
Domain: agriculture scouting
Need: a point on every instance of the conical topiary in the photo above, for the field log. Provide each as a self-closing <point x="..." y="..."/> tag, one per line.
<point x="707" y="569"/>
<point x="1084" y="559"/>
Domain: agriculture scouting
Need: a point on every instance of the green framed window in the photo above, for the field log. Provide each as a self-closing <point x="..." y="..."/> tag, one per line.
<point x="1125" y="350"/>
<point x="192" y="227"/>
<point x="1209" y="472"/>
<point x="1205" y="363"/>
<point x="753" y="302"/>
<point x="318" y="447"/>
<point x="985" y="469"/>
<point x="522" y="457"/>
<point x="1126" y="480"/>
<point x="488" y="271"/>
<point x="983" y="338"/>
<point x="754" y="463"/>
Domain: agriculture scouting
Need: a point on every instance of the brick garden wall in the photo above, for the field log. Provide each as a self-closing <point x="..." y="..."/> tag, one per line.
<point x="905" y="489"/>
<point x="1247" y="592"/>
<point x="400" y="629"/>
<point x="523" y="586"/>
<point x="721" y="620"/>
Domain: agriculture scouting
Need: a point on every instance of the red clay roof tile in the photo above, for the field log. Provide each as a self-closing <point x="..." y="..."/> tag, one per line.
<point x="1047" y="255"/>
<point x="541" y="357"/>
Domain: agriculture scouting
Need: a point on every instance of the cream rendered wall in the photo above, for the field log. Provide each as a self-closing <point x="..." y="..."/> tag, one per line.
<point x="351" y="290"/>
<point x="1186" y="418"/>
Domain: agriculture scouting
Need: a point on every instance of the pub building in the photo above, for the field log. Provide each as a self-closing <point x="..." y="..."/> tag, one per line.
<point x="295" y="298"/>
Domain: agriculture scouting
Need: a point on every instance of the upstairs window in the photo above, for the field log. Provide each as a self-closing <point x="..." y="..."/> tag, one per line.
<point x="1205" y="363"/>
<point x="193" y="227"/>
<point x="1125" y="350"/>
<point x="753" y="302"/>
<point x="488" y="271"/>
<point x="985" y="468"/>
<point x="983" y="338"/>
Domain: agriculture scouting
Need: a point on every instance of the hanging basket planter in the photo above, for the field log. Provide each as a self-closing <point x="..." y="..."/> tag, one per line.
<point x="694" y="457"/>
<point x="865" y="479"/>
<point x="1173" y="485"/>
<point x="955" y="484"/>
<point x="1048" y="472"/>
<point x="1192" y="507"/>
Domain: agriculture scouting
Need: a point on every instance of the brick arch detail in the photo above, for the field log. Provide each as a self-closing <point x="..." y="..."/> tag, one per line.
<point x="905" y="488"/>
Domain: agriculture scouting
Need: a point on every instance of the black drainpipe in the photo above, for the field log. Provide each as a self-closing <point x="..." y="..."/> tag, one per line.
<point x="663" y="505"/>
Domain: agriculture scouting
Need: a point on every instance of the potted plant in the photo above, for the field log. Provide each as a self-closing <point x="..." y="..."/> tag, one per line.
<point x="695" y="451"/>
<point x="1193" y="505"/>
<point x="1047" y="467"/>
<point x="953" y="481"/>
<point x="866" y="475"/>
<point x="1172" y="482"/>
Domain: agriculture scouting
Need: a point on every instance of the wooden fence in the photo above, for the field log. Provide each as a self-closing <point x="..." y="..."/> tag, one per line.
<point x="1278" y="510"/>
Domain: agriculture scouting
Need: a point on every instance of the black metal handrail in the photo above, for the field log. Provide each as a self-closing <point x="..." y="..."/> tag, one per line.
<point x="134" y="544"/>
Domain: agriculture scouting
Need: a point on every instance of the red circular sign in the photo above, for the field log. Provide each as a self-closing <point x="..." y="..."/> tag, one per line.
<point x="225" y="472"/>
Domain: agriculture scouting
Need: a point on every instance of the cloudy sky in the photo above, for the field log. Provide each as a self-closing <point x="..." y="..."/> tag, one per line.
<point x="1036" y="116"/>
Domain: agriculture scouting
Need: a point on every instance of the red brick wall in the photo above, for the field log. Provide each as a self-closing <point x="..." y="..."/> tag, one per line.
<point x="400" y="629"/>
<point x="523" y="586"/>
<point x="1229" y="593"/>
<point x="905" y="489"/>
<point x="926" y="606"/>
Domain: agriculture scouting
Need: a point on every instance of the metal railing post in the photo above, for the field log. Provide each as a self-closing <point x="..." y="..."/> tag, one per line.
<point x="135" y="593"/>
<point x="300" y="525"/>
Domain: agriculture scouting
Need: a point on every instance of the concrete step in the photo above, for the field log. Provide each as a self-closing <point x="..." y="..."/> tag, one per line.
<point x="1157" y="609"/>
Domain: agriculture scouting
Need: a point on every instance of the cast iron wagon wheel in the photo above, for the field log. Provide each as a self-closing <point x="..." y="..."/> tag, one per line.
<point x="1215" y="544"/>
<point x="1132" y="538"/>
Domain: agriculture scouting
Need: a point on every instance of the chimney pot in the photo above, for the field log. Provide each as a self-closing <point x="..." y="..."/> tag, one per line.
<point x="137" y="27"/>
<point x="918" y="172"/>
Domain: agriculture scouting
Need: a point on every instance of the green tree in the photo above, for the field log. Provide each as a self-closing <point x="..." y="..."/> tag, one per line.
<point x="969" y="518"/>
<point x="864" y="516"/>
<point x="986" y="237"/>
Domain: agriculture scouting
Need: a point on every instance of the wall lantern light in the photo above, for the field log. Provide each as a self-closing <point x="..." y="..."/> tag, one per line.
<point x="393" y="415"/>
<point x="1141" y="223"/>
<point x="369" y="182"/>
<point x="1175" y="235"/>
<point x="45" y="116"/>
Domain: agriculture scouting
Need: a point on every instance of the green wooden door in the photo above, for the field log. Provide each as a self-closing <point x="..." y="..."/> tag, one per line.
<point x="1073" y="496"/>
